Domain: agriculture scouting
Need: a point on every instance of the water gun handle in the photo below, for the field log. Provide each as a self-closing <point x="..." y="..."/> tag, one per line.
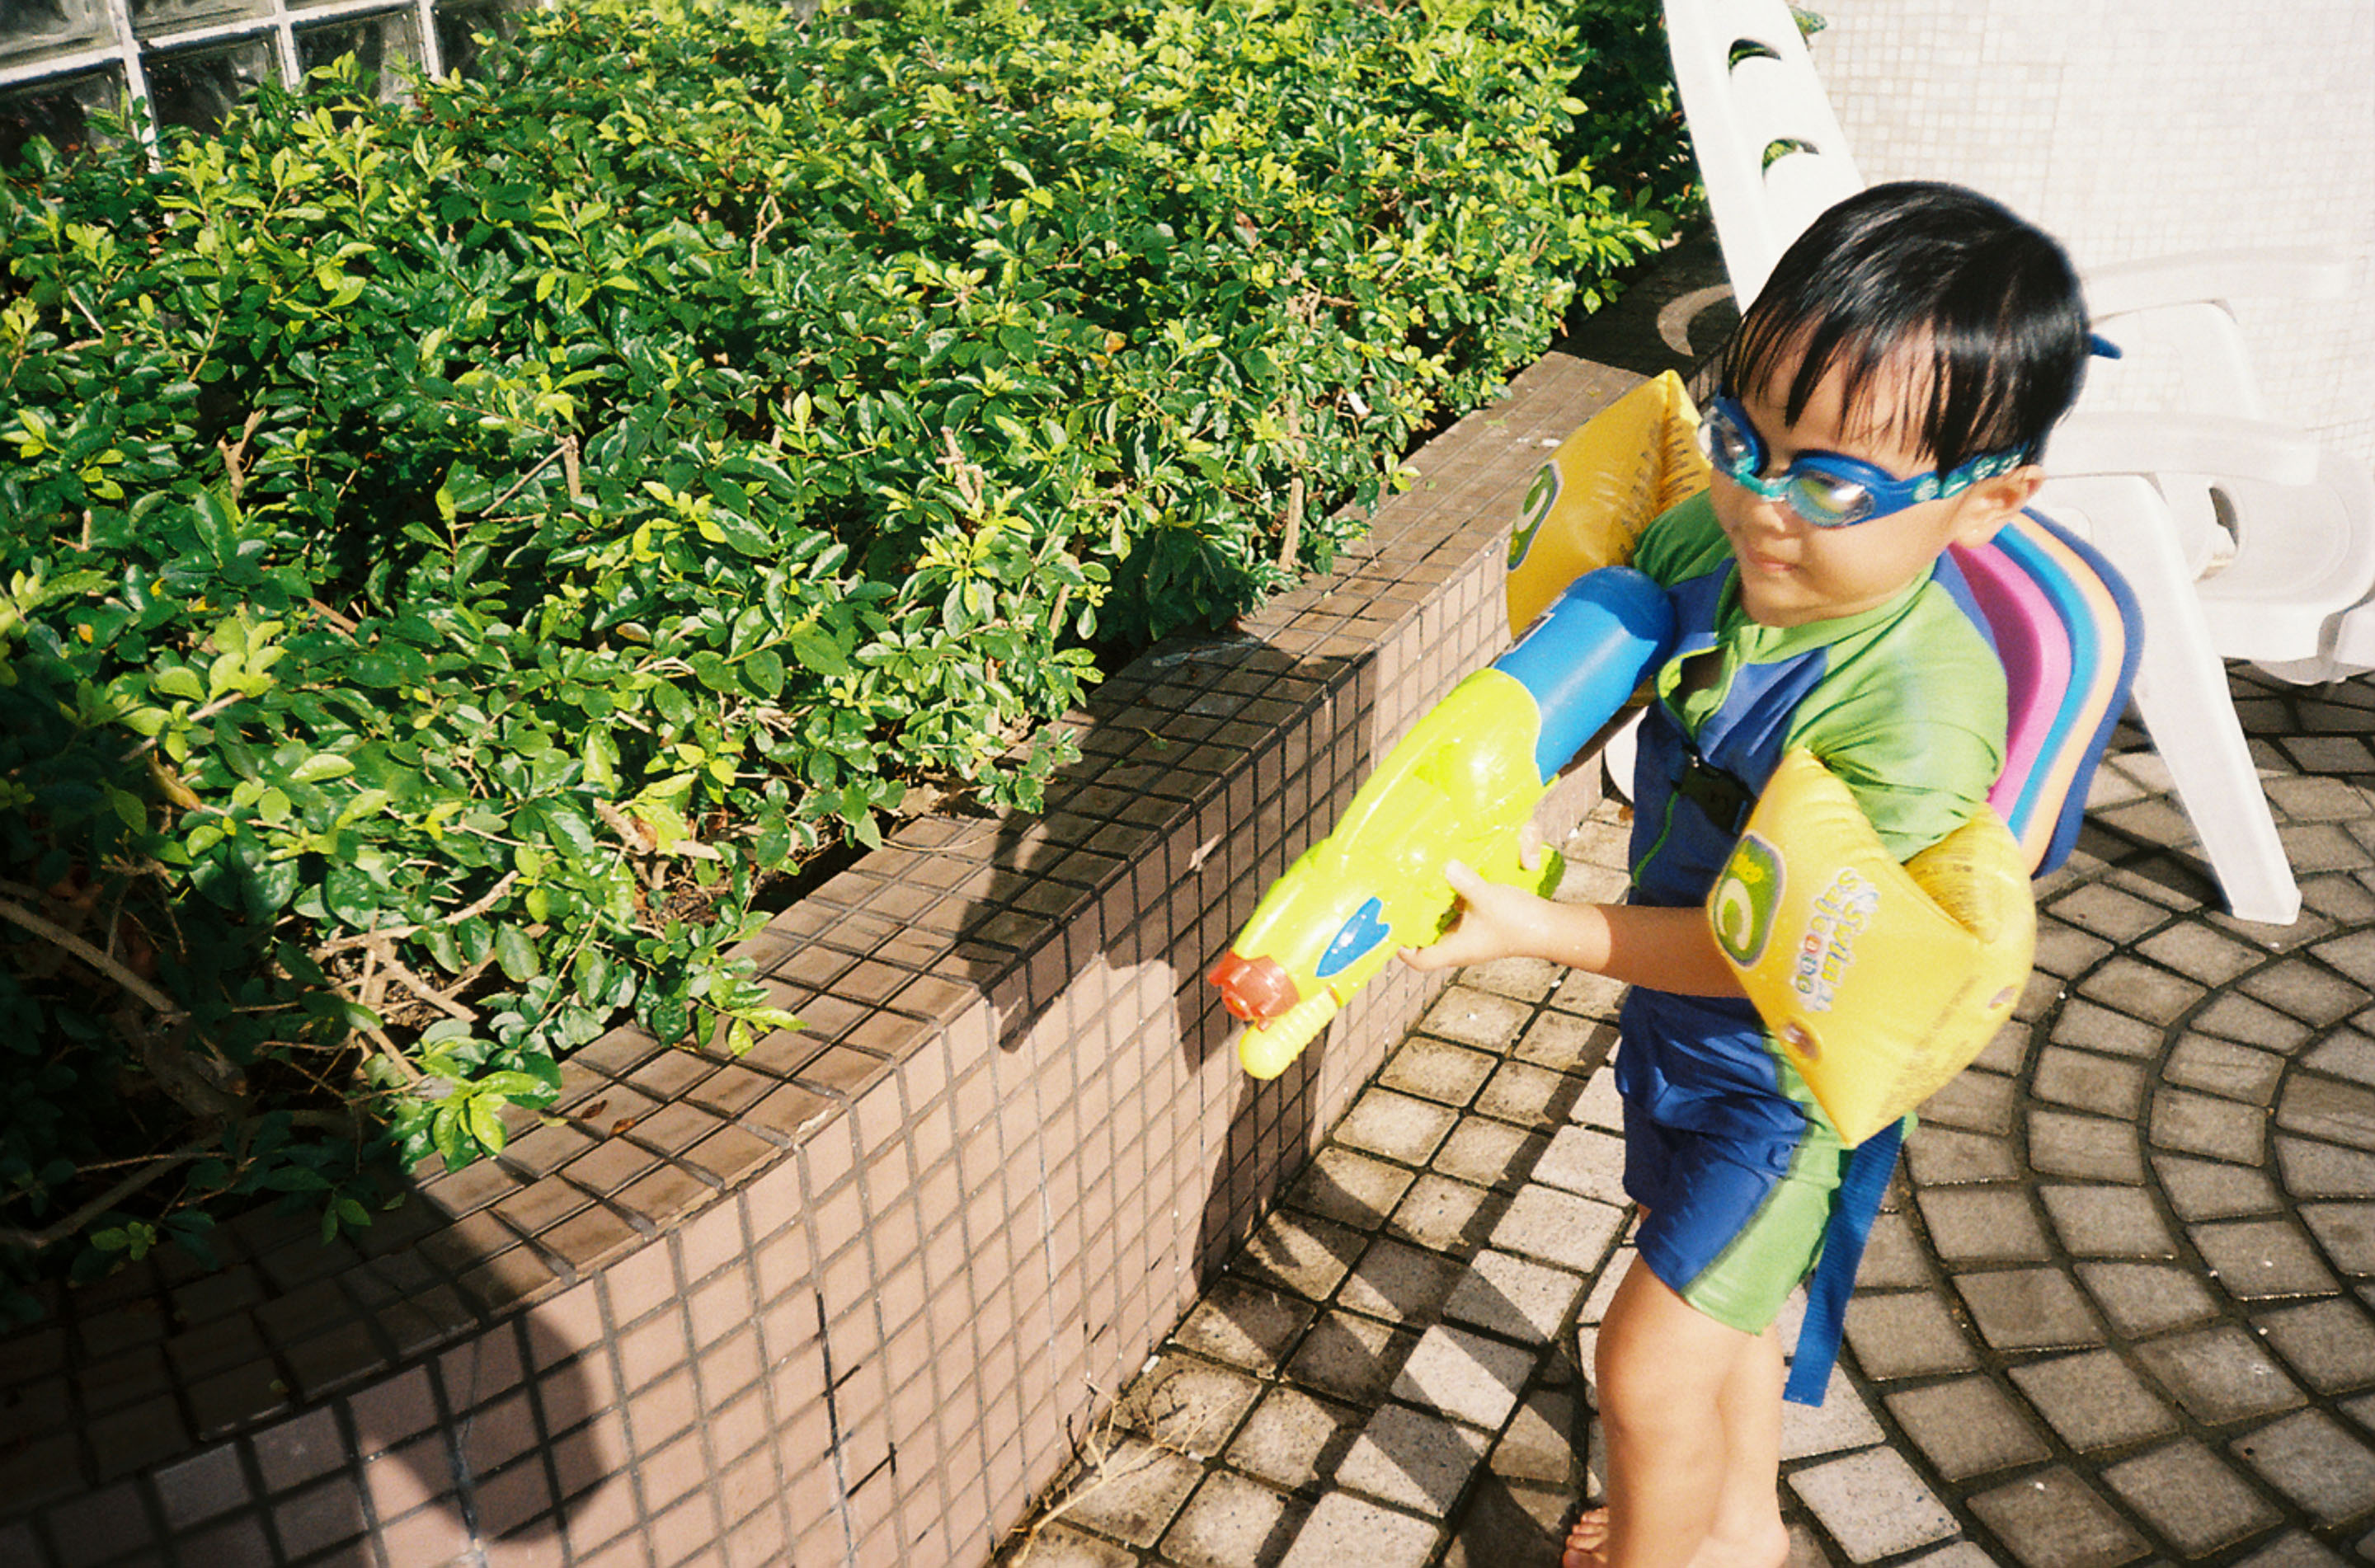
<point x="1459" y="786"/>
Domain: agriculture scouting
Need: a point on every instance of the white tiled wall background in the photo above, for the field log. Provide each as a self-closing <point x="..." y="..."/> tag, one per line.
<point x="2136" y="128"/>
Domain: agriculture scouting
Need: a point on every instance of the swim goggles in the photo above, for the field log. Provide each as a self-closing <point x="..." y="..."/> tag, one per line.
<point x="1828" y="490"/>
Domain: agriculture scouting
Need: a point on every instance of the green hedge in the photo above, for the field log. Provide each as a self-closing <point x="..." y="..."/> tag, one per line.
<point x="461" y="550"/>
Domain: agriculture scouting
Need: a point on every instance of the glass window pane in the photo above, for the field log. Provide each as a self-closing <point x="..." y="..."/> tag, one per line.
<point x="60" y="112"/>
<point x="196" y="87"/>
<point x="379" y="44"/>
<point x="459" y="28"/>
<point x="39" y="30"/>
<point x="155" y="19"/>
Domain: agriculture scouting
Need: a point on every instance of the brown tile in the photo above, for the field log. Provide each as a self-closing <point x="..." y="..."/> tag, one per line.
<point x="797" y="1381"/>
<point x="640" y="1283"/>
<point x="720" y="1307"/>
<point x="902" y="1295"/>
<point x="673" y="1127"/>
<point x="320" y="1518"/>
<point x="544" y="1149"/>
<point x="789" y="1110"/>
<point x="242" y="1540"/>
<point x="785" y="1263"/>
<point x="591" y="1457"/>
<point x="127" y="1377"/>
<point x="731" y="1089"/>
<point x="840" y="1216"/>
<point x="393" y="1409"/>
<point x="886" y="1036"/>
<point x="537" y="1207"/>
<point x="653" y="1348"/>
<point x="712" y="1242"/>
<point x="760" y="1540"/>
<point x="669" y="1472"/>
<point x="880" y="1115"/>
<point x="496" y="1434"/>
<point x="828" y="1153"/>
<point x="136" y="1437"/>
<point x="508" y="1500"/>
<point x="663" y="1194"/>
<point x="210" y="1296"/>
<point x="226" y="1401"/>
<point x="610" y="1166"/>
<point x="483" y="1368"/>
<point x="895" y="1231"/>
<point x="300" y="1450"/>
<point x="421" y="1321"/>
<point x="472" y="1187"/>
<point x="670" y="1076"/>
<point x="661" y="1414"/>
<point x="591" y="1519"/>
<point x="508" y="1279"/>
<point x="315" y="1308"/>
<point x="739" y="1423"/>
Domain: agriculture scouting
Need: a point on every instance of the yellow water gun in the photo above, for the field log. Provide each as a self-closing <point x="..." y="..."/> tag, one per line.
<point x="1460" y="785"/>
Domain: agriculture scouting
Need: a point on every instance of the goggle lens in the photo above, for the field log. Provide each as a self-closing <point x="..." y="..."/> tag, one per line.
<point x="1815" y="487"/>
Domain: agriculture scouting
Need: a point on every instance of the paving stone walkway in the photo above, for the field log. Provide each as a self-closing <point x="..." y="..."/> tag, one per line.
<point x="2117" y="1310"/>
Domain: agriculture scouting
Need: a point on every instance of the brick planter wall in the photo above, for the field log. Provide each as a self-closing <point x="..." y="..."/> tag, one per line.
<point x="842" y="1299"/>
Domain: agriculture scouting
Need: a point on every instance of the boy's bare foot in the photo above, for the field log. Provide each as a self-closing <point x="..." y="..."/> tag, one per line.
<point x="1586" y="1547"/>
<point x="1586" y="1544"/>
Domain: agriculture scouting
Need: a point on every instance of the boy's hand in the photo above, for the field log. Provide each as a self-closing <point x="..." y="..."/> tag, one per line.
<point x="1494" y="921"/>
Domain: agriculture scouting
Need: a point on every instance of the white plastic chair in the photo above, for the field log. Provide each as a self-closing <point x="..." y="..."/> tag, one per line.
<point x="2239" y="537"/>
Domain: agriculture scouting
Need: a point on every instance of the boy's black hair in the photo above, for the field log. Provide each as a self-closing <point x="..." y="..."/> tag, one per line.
<point x="1931" y="271"/>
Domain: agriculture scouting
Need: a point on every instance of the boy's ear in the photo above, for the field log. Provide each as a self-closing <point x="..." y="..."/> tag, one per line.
<point x="1991" y="503"/>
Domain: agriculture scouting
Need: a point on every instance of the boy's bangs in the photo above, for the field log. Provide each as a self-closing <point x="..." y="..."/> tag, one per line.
<point x="1938" y="384"/>
<point x="1950" y="323"/>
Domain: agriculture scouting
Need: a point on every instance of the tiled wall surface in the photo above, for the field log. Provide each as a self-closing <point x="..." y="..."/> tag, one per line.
<point x="2136" y="128"/>
<point x="838" y="1301"/>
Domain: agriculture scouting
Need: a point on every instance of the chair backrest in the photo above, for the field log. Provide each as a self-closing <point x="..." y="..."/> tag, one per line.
<point x="2069" y="634"/>
<point x="1769" y="148"/>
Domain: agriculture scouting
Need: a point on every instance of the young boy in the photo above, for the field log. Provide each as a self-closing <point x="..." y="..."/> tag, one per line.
<point x="1886" y="396"/>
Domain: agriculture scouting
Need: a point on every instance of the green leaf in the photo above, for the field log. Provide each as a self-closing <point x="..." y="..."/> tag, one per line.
<point x="820" y="654"/>
<point x="515" y="955"/>
<point x="485" y="1114"/>
<point x="178" y="681"/>
<point x="762" y="673"/>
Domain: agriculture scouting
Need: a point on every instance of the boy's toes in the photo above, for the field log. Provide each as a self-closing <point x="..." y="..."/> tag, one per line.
<point x="1587" y="1543"/>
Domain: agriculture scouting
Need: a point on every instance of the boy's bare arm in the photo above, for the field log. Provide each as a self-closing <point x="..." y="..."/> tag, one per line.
<point x="1666" y="949"/>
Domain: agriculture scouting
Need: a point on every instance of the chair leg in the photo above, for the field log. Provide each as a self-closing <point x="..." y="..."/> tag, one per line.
<point x="2187" y="707"/>
<point x="2202" y="742"/>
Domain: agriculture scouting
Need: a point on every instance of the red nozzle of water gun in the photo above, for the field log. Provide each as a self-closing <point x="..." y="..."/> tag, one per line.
<point x="1256" y="990"/>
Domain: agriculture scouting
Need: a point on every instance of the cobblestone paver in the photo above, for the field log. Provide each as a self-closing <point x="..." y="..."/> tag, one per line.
<point x="2120" y="1310"/>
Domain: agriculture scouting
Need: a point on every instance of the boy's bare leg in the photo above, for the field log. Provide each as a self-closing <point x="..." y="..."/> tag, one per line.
<point x="1692" y="1415"/>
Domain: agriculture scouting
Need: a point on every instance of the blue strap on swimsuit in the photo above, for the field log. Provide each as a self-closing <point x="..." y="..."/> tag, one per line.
<point x="1853" y="1212"/>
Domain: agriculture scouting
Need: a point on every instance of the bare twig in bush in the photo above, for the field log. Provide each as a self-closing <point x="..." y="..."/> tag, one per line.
<point x="199" y="1081"/>
<point x="69" y="1224"/>
<point x="235" y="457"/>
<point x="402" y="975"/>
<point x="378" y="1037"/>
<point x="1290" y="545"/>
<point x="386" y="934"/>
<point x="142" y="748"/>
<point x="770" y="215"/>
<point x="50" y="931"/>
<point x="565" y="454"/>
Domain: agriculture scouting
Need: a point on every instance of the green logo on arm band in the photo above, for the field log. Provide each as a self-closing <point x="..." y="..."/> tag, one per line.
<point x="1741" y="908"/>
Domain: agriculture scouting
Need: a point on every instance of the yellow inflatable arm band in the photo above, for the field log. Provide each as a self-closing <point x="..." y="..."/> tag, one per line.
<point x="1879" y="982"/>
<point x="1612" y="477"/>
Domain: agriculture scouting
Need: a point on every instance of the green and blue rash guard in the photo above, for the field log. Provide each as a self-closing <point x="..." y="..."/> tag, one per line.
<point x="1906" y="703"/>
